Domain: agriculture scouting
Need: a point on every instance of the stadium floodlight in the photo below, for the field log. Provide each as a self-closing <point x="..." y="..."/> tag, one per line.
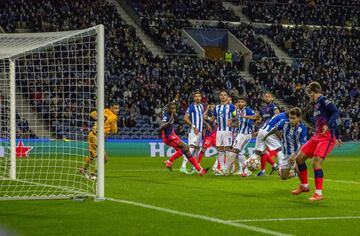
<point x="49" y="83"/>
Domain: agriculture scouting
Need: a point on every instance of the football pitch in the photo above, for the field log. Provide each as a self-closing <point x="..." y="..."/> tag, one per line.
<point x="147" y="199"/>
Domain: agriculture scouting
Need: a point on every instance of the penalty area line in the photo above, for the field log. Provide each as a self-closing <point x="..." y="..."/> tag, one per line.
<point x="201" y="217"/>
<point x="298" y="219"/>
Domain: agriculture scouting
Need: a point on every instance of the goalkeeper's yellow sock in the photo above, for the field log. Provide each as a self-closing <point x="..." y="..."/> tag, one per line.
<point x="87" y="162"/>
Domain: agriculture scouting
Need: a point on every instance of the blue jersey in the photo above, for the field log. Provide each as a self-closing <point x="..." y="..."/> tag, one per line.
<point x="223" y="113"/>
<point x="169" y="129"/>
<point x="293" y="137"/>
<point x="196" y="113"/>
<point x="274" y="121"/>
<point x="325" y="113"/>
<point x="245" y="125"/>
<point x="268" y="112"/>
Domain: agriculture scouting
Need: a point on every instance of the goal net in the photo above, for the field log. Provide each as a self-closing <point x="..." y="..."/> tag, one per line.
<point x="49" y="83"/>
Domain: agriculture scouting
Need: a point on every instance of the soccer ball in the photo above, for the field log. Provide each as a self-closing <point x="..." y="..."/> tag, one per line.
<point x="253" y="164"/>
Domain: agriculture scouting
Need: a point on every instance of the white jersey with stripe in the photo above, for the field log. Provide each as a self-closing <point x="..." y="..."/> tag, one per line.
<point x="196" y="115"/>
<point x="223" y="113"/>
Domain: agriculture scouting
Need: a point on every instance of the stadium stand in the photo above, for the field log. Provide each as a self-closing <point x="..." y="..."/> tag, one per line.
<point x="338" y="12"/>
<point x="143" y="83"/>
<point x="184" y="9"/>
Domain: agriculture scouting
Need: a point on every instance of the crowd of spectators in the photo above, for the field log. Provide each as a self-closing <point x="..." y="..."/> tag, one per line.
<point x="164" y="20"/>
<point x="328" y="55"/>
<point x="184" y="9"/>
<point x="248" y="36"/>
<point x="22" y="126"/>
<point x="324" y="12"/>
<point x="143" y="83"/>
<point x="166" y="33"/>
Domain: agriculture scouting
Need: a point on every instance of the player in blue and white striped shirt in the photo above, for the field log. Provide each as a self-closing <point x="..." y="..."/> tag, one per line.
<point x="245" y="126"/>
<point x="293" y="133"/>
<point x="224" y="114"/>
<point x="194" y="117"/>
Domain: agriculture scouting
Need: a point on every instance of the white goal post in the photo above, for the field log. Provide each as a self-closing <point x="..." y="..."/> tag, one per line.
<point x="49" y="84"/>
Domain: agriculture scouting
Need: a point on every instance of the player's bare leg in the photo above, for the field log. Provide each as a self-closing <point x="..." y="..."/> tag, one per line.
<point x="84" y="171"/>
<point x="183" y="167"/>
<point x="319" y="175"/>
<point x="185" y="149"/>
<point x="303" y="176"/>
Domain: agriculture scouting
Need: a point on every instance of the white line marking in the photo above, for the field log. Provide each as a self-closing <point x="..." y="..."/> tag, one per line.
<point x="164" y="170"/>
<point x="340" y="181"/>
<point x="201" y="217"/>
<point x="146" y="170"/>
<point x="298" y="219"/>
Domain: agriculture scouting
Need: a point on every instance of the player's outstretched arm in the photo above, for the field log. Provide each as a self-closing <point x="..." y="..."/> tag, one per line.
<point x="251" y="117"/>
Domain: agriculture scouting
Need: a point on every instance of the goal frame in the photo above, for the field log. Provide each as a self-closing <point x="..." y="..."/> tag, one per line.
<point x="100" y="64"/>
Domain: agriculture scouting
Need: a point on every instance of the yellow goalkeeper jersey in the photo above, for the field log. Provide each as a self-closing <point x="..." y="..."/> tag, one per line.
<point x="110" y="122"/>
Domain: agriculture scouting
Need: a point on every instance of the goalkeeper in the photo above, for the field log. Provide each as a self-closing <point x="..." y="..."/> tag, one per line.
<point x="110" y="127"/>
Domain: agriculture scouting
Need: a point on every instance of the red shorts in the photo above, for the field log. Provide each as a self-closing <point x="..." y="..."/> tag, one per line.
<point x="319" y="145"/>
<point x="210" y="141"/>
<point x="173" y="140"/>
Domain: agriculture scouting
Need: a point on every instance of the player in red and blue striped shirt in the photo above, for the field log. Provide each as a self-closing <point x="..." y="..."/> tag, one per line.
<point x="321" y="143"/>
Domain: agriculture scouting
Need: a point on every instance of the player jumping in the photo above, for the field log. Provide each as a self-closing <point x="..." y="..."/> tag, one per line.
<point x="110" y="127"/>
<point x="320" y="144"/>
<point x="294" y="133"/>
<point x="170" y="138"/>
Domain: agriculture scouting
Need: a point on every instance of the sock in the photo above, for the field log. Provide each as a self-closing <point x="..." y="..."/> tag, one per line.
<point x="194" y="163"/>
<point x="280" y="156"/>
<point x="319" y="176"/>
<point x="201" y="153"/>
<point x="303" y="174"/>
<point x="176" y="155"/>
<point x="269" y="158"/>
<point x="221" y="158"/>
<point x="216" y="165"/>
<point x="263" y="161"/>
<point x="241" y="162"/>
<point x="185" y="160"/>
<point x="230" y="157"/>
<point x="87" y="162"/>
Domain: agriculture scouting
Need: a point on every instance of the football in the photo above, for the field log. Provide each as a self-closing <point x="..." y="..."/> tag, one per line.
<point x="253" y="164"/>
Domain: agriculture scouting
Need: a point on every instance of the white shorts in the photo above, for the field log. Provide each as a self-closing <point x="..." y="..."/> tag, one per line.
<point x="284" y="162"/>
<point x="241" y="141"/>
<point x="223" y="138"/>
<point x="272" y="142"/>
<point x="195" y="139"/>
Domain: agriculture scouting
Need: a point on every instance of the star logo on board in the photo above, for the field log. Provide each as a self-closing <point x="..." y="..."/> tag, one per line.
<point x="22" y="150"/>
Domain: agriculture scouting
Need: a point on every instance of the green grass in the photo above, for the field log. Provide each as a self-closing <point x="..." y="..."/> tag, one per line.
<point x="228" y="198"/>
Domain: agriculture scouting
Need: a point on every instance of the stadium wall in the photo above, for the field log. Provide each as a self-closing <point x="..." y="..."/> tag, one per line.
<point x="136" y="148"/>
